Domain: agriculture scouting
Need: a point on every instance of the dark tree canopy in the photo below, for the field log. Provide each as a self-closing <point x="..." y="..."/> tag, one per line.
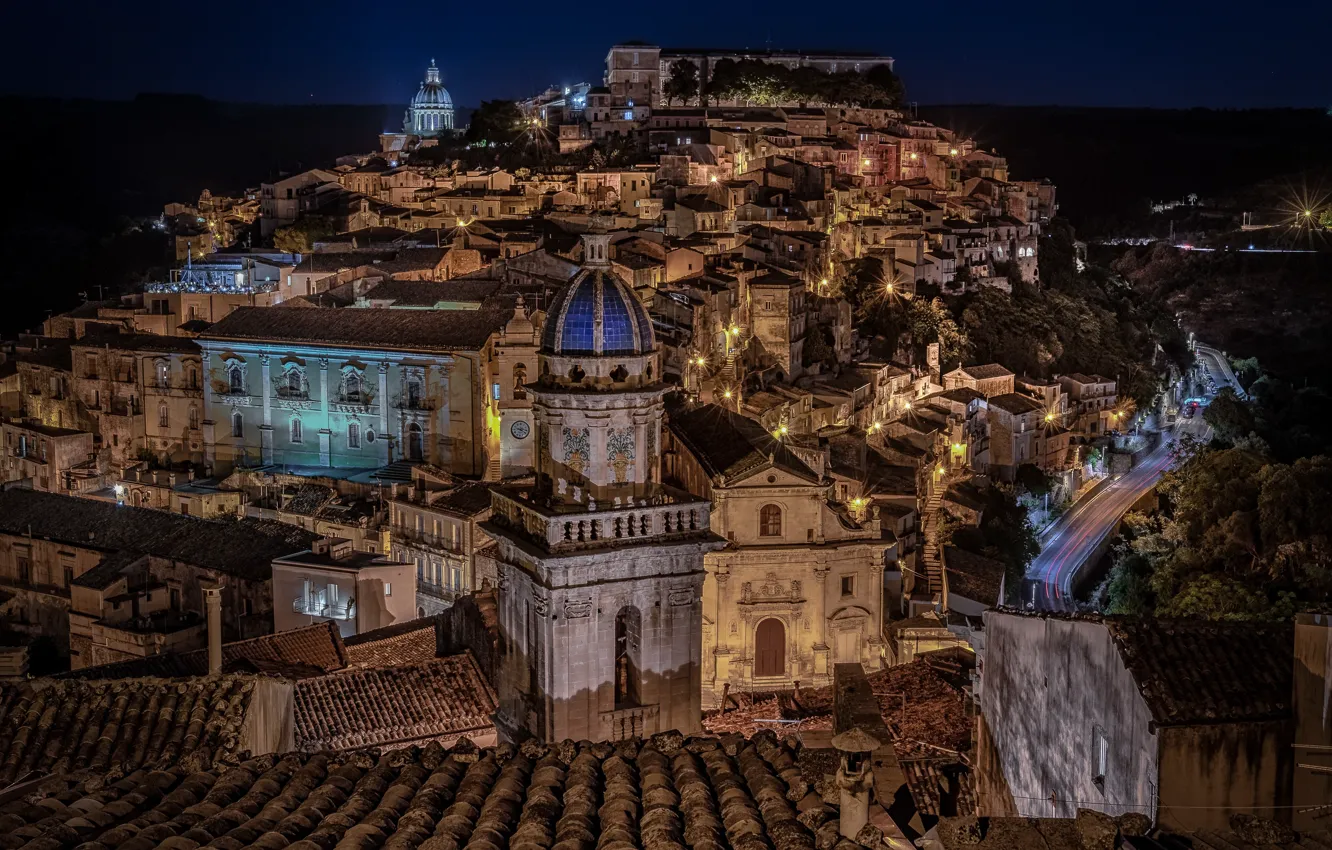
<point x="682" y="84"/>
<point x="495" y="122"/>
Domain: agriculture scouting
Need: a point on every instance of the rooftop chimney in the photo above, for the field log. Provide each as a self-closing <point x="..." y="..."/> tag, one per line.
<point x="213" y="609"/>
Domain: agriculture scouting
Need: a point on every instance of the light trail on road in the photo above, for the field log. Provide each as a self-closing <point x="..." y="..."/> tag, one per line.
<point x="1077" y="535"/>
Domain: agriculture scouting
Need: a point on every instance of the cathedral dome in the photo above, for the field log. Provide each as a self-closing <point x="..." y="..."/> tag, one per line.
<point x="432" y="91"/>
<point x="597" y="313"/>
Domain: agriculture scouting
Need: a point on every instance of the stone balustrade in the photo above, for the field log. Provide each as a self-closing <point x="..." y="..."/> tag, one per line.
<point x="666" y="514"/>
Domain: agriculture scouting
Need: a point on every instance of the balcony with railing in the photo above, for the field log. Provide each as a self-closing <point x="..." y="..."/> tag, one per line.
<point x="316" y="605"/>
<point x="413" y="401"/>
<point x="409" y="536"/>
<point x="659" y="514"/>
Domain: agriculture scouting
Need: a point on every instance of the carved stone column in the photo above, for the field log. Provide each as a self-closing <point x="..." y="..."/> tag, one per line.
<point x="445" y="415"/>
<point x="384" y="413"/>
<point x="325" y="433"/>
<point x="266" y="389"/>
<point x="822" y="652"/>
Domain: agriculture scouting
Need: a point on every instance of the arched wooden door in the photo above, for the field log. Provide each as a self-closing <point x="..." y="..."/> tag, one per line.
<point x="770" y="648"/>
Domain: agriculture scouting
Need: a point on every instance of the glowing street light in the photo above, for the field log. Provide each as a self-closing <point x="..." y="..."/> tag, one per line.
<point x="1049" y="417"/>
<point x="726" y="394"/>
<point x="952" y="151"/>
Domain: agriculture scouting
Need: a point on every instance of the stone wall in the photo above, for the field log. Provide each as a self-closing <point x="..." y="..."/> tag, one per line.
<point x="1050" y="687"/>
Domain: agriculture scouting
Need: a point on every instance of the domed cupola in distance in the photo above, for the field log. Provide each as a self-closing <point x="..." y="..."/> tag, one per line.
<point x="431" y="111"/>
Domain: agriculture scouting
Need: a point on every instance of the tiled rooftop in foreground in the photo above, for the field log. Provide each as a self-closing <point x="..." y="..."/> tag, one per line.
<point x="664" y="792"/>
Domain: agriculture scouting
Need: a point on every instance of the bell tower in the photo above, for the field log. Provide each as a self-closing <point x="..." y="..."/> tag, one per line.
<point x="600" y="564"/>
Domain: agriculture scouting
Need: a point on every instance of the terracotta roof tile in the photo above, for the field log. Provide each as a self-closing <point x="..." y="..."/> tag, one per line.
<point x="393" y="706"/>
<point x="401" y="643"/>
<point x="295" y="654"/>
<point x="413" y="330"/>
<point x="664" y="792"/>
<point x="53" y="727"/>
<point x="244" y="548"/>
<point x="1196" y="672"/>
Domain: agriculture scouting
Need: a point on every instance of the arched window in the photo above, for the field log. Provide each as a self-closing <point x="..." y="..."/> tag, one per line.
<point x="351" y="388"/>
<point x="770" y="521"/>
<point x="192" y="377"/>
<point x="519" y="380"/>
<point x="237" y="424"/>
<point x="194" y="418"/>
<point x="353" y="435"/>
<point x="294" y="382"/>
<point x="295" y="429"/>
<point x="413" y="393"/>
<point x="163" y="416"/>
<point x="628" y="671"/>
<point x="163" y="373"/>
<point x="236" y="378"/>
<point x="770" y="648"/>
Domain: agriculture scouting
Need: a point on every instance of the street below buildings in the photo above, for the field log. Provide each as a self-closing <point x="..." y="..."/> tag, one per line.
<point x="1078" y="536"/>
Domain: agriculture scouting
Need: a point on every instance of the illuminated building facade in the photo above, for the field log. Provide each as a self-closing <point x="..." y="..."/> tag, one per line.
<point x="600" y="565"/>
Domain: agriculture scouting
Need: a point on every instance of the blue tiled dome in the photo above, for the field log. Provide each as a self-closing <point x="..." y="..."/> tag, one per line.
<point x="597" y="314"/>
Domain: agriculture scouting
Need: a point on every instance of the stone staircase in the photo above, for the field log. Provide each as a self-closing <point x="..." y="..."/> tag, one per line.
<point x="494" y="470"/>
<point x="931" y="560"/>
<point x="398" y="472"/>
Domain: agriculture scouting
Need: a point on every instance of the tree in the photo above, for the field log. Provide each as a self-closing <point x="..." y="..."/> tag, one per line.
<point x="495" y="122"/>
<point x="299" y="238"/>
<point x="724" y="80"/>
<point x="1003" y="534"/>
<point x="887" y="86"/>
<point x="930" y="322"/>
<point x="1229" y="417"/>
<point x="1247" y="371"/>
<point x="682" y="83"/>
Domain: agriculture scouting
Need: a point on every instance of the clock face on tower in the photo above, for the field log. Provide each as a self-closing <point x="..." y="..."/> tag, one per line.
<point x="520" y="429"/>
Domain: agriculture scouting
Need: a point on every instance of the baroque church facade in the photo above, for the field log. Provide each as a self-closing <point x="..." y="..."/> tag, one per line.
<point x="600" y="565"/>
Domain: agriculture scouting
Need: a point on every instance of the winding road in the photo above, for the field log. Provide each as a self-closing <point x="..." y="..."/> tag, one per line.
<point x="1077" y="536"/>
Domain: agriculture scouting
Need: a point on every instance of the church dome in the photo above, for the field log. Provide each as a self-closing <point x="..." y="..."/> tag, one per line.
<point x="432" y="91"/>
<point x="596" y="313"/>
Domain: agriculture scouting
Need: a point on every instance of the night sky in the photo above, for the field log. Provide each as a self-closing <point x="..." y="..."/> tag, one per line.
<point x="1227" y="53"/>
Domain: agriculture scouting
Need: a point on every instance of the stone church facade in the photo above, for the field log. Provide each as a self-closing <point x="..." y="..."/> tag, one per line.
<point x="600" y="565"/>
<point x="799" y="585"/>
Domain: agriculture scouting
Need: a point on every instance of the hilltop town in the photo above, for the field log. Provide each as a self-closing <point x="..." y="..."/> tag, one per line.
<point x="654" y="436"/>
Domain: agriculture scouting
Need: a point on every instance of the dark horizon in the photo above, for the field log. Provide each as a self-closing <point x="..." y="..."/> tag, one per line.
<point x="149" y="95"/>
<point x="1139" y="56"/>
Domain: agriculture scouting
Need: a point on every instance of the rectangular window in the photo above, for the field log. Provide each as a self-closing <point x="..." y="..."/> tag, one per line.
<point x="388" y="589"/>
<point x="353" y="435"/>
<point x="848" y="585"/>
<point x="495" y="391"/>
